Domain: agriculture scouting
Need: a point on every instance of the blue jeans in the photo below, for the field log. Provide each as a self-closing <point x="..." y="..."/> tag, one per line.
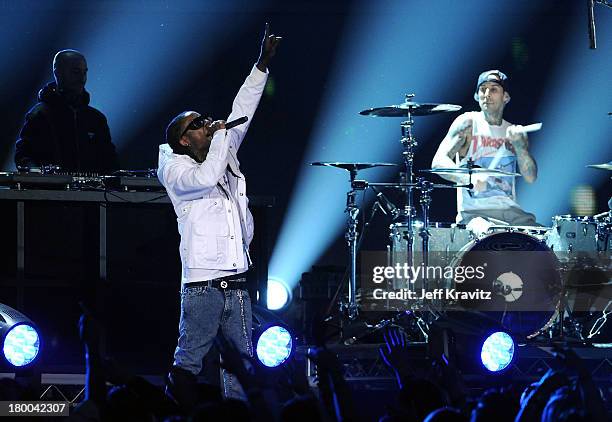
<point x="203" y="310"/>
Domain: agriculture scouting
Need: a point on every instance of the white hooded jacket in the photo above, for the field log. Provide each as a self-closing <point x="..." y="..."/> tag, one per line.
<point x="209" y="198"/>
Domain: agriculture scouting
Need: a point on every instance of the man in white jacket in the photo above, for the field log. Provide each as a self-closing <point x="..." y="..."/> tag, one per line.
<point x="199" y="168"/>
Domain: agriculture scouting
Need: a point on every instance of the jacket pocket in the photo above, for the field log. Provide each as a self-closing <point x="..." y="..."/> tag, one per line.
<point x="208" y="234"/>
<point x="203" y="250"/>
<point x="209" y="218"/>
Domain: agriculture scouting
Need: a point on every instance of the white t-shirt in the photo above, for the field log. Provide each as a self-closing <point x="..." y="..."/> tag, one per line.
<point x="489" y="148"/>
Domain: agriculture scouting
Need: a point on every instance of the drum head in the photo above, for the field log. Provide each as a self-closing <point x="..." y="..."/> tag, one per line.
<point x="521" y="273"/>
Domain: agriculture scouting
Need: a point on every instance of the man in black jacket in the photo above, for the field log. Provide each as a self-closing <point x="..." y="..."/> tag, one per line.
<point x="62" y="129"/>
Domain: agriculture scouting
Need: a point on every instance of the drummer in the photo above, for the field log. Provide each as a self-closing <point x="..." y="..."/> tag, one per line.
<point x="491" y="142"/>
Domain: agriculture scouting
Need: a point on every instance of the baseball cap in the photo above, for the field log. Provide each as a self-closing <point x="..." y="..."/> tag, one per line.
<point x="496" y="76"/>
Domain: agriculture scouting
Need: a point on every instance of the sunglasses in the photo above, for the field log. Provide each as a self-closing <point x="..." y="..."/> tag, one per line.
<point x="195" y="124"/>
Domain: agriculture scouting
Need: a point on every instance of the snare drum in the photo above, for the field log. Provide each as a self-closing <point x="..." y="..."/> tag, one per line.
<point x="445" y="240"/>
<point x="443" y="237"/>
<point x="521" y="273"/>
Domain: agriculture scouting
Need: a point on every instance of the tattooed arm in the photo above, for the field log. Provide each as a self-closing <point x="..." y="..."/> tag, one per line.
<point x="457" y="140"/>
<point x="526" y="164"/>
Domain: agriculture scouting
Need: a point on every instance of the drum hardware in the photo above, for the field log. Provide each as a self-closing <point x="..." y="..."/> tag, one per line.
<point x="371" y="329"/>
<point x="425" y="188"/>
<point x="600" y="322"/>
<point x="386" y="206"/>
<point x="351" y="167"/>
<point x="470" y="169"/>
<point x="574" y="325"/>
<point x="419" y="228"/>
<point x="605" y="214"/>
<point x="587" y="302"/>
<point x="509" y="286"/>
<point x="351" y="235"/>
<point x="408" y="110"/>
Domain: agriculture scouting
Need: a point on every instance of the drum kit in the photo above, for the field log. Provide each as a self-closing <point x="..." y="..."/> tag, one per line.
<point x="533" y="276"/>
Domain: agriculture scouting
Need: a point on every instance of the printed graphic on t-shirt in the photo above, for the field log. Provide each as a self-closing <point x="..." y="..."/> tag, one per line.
<point x="498" y="154"/>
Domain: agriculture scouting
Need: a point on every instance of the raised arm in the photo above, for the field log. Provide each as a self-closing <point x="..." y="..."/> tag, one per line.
<point x="248" y="96"/>
<point x="458" y="137"/>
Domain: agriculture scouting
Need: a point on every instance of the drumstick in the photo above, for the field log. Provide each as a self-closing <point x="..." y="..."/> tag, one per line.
<point x="529" y="128"/>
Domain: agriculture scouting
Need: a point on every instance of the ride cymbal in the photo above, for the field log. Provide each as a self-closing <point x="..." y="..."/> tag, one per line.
<point x="351" y="166"/>
<point x="412" y="108"/>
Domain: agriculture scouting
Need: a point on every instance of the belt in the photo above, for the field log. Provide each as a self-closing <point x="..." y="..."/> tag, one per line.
<point x="223" y="283"/>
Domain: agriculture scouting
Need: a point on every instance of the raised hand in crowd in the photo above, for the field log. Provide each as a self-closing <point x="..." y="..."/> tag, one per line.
<point x="395" y="354"/>
<point x="534" y="403"/>
<point x="335" y="393"/>
<point x="89" y="332"/>
<point x="445" y="374"/>
<point x="590" y="396"/>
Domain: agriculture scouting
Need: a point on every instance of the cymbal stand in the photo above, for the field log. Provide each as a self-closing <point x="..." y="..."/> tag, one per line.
<point x="408" y="143"/>
<point x="351" y="237"/>
<point x="574" y="325"/>
<point x="425" y="188"/>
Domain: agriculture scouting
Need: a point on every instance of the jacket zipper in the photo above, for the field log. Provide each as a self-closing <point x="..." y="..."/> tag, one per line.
<point x="76" y="139"/>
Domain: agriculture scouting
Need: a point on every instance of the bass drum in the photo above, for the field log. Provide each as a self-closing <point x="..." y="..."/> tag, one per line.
<point x="520" y="272"/>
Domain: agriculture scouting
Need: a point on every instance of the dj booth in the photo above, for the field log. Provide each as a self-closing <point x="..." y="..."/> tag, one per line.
<point x="110" y="243"/>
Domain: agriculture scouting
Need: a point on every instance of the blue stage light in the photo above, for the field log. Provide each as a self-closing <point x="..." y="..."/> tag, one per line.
<point x="21" y="345"/>
<point x="278" y="294"/>
<point x="274" y="346"/>
<point x="497" y="351"/>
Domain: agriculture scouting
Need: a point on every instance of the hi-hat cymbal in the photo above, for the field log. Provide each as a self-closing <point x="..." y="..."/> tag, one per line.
<point x="351" y="166"/>
<point x="465" y="171"/>
<point x="415" y="109"/>
<point x="604" y="166"/>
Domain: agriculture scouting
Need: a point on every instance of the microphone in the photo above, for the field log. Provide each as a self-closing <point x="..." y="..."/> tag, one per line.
<point x="592" y="36"/>
<point x="386" y="206"/>
<point x="236" y="122"/>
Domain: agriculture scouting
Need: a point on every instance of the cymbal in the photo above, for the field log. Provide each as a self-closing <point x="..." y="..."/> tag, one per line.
<point x="351" y="166"/>
<point x="604" y="166"/>
<point x="464" y="170"/>
<point x="415" y="109"/>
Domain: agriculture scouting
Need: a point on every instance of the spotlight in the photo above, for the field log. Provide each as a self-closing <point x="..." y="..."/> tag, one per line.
<point x="279" y="295"/>
<point x="472" y="341"/>
<point x="497" y="351"/>
<point x="18" y="337"/>
<point x="272" y="338"/>
<point x="274" y="346"/>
